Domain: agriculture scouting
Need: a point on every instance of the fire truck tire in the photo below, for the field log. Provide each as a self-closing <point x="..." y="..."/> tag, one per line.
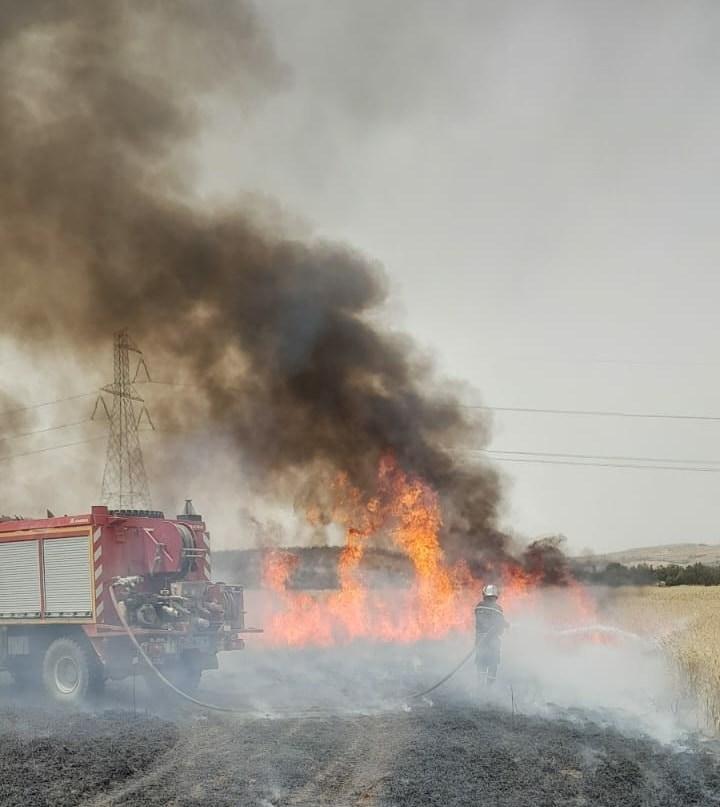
<point x="70" y="671"/>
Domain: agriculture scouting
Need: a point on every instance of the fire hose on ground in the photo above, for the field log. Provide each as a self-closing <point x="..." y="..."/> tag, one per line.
<point x="439" y="683"/>
<point x="452" y="672"/>
<point x="154" y="669"/>
<point x="228" y="710"/>
<point x="582" y="630"/>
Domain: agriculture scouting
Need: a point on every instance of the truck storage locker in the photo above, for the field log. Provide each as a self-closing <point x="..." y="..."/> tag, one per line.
<point x="68" y="581"/>
<point x="19" y="580"/>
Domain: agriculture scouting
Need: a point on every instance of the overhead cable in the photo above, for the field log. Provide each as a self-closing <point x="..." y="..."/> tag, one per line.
<point x="9" y="457"/>
<point x="46" y="403"/>
<point x="598" y="457"/>
<point x="44" y="430"/>
<point x="592" y="412"/>
<point x="608" y="464"/>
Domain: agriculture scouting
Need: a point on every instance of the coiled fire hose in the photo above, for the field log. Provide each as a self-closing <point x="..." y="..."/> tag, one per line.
<point x="154" y="669"/>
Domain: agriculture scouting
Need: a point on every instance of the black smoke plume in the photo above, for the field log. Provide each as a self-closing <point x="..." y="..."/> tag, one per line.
<point x="100" y="105"/>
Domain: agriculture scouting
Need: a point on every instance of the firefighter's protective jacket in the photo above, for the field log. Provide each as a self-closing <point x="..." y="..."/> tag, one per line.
<point x="489" y="621"/>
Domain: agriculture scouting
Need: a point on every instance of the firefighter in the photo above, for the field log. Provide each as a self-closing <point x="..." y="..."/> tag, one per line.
<point x="489" y="626"/>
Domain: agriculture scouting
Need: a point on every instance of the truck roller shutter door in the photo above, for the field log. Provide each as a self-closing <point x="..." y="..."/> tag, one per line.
<point x="19" y="580"/>
<point x="68" y="581"/>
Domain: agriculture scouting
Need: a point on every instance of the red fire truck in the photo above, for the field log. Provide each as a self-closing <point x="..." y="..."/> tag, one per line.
<point x="61" y="579"/>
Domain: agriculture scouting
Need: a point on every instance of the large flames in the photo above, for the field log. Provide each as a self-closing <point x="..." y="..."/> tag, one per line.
<point x="438" y="602"/>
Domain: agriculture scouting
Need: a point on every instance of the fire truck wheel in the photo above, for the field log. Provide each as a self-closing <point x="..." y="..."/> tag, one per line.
<point x="69" y="671"/>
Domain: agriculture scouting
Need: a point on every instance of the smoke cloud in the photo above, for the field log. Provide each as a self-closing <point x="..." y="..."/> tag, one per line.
<point x="100" y="105"/>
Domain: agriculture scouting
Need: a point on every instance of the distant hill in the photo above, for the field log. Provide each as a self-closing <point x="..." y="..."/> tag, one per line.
<point x="679" y="554"/>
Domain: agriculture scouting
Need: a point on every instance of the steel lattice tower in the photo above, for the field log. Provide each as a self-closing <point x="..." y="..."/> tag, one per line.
<point x="125" y="485"/>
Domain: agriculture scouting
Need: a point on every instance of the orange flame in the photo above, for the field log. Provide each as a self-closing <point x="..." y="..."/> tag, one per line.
<point x="438" y="602"/>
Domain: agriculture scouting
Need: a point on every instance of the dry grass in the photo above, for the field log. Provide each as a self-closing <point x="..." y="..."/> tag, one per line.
<point x="686" y="620"/>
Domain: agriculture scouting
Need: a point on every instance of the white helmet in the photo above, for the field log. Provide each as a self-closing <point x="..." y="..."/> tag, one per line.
<point x="490" y="591"/>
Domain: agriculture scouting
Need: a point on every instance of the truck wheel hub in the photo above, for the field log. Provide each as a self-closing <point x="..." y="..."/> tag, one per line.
<point x="67" y="675"/>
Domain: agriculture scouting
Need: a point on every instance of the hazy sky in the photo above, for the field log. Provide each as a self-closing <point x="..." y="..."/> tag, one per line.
<point x="539" y="181"/>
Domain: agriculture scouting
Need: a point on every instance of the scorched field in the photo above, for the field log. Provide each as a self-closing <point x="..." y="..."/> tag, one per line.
<point x="570" y="722"/>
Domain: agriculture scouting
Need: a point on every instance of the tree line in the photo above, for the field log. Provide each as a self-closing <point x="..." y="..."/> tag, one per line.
<point x="643" y="574"/>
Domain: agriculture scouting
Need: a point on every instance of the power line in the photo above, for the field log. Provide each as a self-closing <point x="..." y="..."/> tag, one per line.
<point x="528" y="457"/>
<point x="602" y="457"/>
<point x="46" y="403"/>
<point x="549" y="458"/>
<point x="527" y="409"/>
<point x="166" y="383"/>
<point x="552" y="458"/>
<point x="585" y="361"/>
<point x="592" y="412"/>
<point x="9" y="457"/>
<point x="42" y="431"/>
<point x="535" y="410"/>
<point x="607" y="464"/>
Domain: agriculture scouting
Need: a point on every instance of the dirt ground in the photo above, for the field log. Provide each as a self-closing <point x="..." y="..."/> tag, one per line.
<point x="441" y="755"/>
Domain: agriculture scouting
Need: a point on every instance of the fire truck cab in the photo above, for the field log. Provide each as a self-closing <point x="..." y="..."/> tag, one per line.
<point x="60" y="578"/>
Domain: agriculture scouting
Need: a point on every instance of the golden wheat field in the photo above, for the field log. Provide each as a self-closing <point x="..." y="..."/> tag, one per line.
<point x="686" y="621"/>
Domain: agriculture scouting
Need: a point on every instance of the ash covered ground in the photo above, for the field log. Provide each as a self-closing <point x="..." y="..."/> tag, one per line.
<point x="447" y="754"/>
<point x="597" y="725"/>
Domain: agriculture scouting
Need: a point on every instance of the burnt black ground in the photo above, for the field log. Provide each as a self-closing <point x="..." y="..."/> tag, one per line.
<point x="336" y="727"/>
<point x="56" y="759"/>
<point x="442" y="755"/>
<point x="461" y="758"/>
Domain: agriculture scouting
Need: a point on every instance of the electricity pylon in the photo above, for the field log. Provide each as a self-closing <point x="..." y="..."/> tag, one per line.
<point x="125" y="484"/>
